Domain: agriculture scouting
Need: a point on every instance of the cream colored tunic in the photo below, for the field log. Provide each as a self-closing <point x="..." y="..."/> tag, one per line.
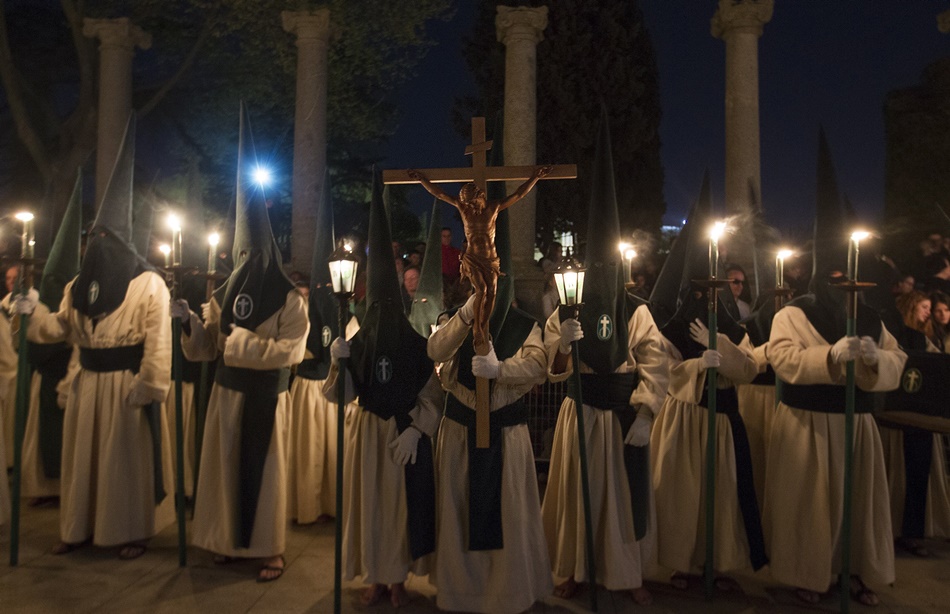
<point x="8" y="366"/>
<point x="375" y="519"/>
<point x="757" y="408"/>
<point x="107" y="488"/>
<point x="513" y="578"/>
<point x="678" y="456"/>
<point x="621" y="559"/>
<point x="805" y="480"/>
<point x="279" y="341"/>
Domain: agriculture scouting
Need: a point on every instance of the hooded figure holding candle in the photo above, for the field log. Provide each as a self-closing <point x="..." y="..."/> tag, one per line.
<point x="678" y="444"/>
<point x="256" y="327"/>
<point x="116" y="455"/>
<point x="804" y="489"/>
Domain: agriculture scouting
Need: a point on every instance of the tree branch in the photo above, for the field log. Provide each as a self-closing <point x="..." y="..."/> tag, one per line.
<point x="185" y="66"/>
<point x="18" y="109"/>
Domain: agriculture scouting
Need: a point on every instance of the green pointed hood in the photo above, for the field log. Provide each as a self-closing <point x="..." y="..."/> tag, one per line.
<point x="258" y="287"/>
<point x="62" y="265"/>
<point x="111" y="261"/>
<point x="427" y="304"/>
<point x="324" y="320"/>
<point x="382" y="282"/>
<point x="604" y="315"/>
<point x="142" y="219"/>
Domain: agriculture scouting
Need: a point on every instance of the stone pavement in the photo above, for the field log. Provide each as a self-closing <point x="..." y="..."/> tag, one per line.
<point x="95" y="580"/>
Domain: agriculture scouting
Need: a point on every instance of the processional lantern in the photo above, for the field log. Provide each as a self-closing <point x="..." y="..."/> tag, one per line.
<point x="343" y="265"/>
<point x="569" y="279"/>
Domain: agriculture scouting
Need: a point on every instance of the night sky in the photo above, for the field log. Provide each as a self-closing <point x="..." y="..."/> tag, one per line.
<point x="827" y="62"/>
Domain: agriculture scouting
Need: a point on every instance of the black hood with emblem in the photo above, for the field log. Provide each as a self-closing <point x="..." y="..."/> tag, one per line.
<point x="324" y="306"/>
<point x="258" y="287"/>
<point x="111" y="261"/>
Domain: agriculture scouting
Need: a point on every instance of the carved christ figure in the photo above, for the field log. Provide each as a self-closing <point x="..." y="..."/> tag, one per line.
<point x="480" y="260"/>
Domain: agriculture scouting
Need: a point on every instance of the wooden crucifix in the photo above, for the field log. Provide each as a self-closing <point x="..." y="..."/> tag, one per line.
<point x="480" y="263"/>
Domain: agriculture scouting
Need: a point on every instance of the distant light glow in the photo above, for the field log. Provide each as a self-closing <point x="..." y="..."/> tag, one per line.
<point x="213" y="239"/>
<point x="24" y="216"/>
<point x="785" y="254"/>
<point x="623" y="247"/>
<point x="261" y="176"/>
<point x="630" y="254"/>
<point x="348" y="246"/>
<point x="174" y="222"/>
<point x="165" y="248"/>
<point x="859" y="235"/>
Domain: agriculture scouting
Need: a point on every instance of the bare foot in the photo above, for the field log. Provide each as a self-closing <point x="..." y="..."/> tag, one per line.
<point x="132" y="550"/>
<point x="398" y="595"/>
<point x="679" y="581"/>
<point x="641" y="596"/>
<point x="861" y="593"/>
<point x="273" y="568"/>
<point x="372" y="594"/>
<point x="806" y="596"/>
<point x="566" y="589"/>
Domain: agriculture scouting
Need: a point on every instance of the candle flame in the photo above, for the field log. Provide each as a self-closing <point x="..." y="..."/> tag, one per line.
<point x="165" y="248"/>
<point x="785" y="253"/>
<point x="24" y="216"/>
<point x="213" y="239"/>
<point x="630" y="254"/>
<point x="174" y="223"/>
<point x="859" y="235"/>
<point x="717" y="230"/>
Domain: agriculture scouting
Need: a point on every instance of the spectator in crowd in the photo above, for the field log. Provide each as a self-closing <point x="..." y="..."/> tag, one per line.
<point x="937" y="270"/>
<point x="903" y="285"/>
<point x="415" y="255"/>
<point x="940" y="316"/>
<point x="400" y="264"/>
<point x="451" y="257"/>
<point x="410" y="283"/>
<point x="917" y="332"/>
<point x="737" y="283"/>
<point x="552" y="258"/>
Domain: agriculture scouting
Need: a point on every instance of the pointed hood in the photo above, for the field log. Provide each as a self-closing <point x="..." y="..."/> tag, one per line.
<point x="324" y="320"/>
<point x="604" y="314"/>
<point x="388" y="358"/>
<point x="142" y="220"/>
<point x="111" y="261"/>
<point x="427" y="304"/>
<point x="257" y="288"/>
<point x="62" y="265"/>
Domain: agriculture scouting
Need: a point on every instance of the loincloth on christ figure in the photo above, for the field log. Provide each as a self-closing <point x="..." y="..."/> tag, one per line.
<point x="479" y="269"/>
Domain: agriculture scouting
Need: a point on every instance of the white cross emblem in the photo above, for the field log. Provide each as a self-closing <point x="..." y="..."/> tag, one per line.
<point x="325" y="336"/>
<point x="912" y="381"/>
<point x="605" y="327"/>
<point x="243" y="306"/>
<point x="384" y="370"/>
<point x="93" y="292"/>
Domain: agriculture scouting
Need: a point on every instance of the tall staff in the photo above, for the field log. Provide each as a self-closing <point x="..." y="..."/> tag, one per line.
<point x="23" y="284"/>
<point x="712" y="382"/>
<point x="781" y="293"/>
<point x="852" y="287"/>
<point x="201" y="394"/>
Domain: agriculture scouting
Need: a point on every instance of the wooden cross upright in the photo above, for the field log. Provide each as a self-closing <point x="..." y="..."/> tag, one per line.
<point x="480" y="174"/>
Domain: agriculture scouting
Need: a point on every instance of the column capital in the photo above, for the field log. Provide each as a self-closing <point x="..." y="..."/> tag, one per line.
<point x="943" y="22"/>
<point x="741" y="16"/>
<point x="121" y="33"/>
<point x="521" y="22"/>
<point x="307" y="24"/>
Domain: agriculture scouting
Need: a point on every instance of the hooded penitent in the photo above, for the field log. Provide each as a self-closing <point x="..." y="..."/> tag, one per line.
<point x="691" y="251"/>
<point x="142" y="215"/>
<point x="111" y="260"/>
<point x="254" y="292"/>
<point x="427" y="304"/>
<point x="389" y="365"/>
<point x="324" y="307"/>
<point x="51" y="360"/>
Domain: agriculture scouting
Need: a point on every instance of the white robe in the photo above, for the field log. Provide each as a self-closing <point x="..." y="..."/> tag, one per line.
<point x="513" y="578"/>
<point x="279" y="341"/>
<point x="8" y="366"/>
<point x="107" y="489"/>
<point x="678" y="456"/>
<point x="621" y="559"/>
<point x="805" y="481"/>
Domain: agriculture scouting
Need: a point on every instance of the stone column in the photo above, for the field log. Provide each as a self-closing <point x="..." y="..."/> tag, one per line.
<point x="118" y="39"/>
<point x="310" y="128"/>
<point x="739" y="23"/>
<point x="520" y="30"/>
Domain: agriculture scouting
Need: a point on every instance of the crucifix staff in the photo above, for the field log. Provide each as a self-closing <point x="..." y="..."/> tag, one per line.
<point x="480" y="265"/>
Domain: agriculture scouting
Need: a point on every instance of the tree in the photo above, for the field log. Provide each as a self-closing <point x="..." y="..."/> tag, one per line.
<point x="591" y="52"/>
<point x="206" y="56"/>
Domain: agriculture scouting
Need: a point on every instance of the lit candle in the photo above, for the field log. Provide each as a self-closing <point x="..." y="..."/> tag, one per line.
<point x="627" y="253"/>
<point x="213" y="239"/>
<point x="780" y="267"/>
<point x="715" y="233"/>
<point x="853" y="253"/>
<point x="175" y="225"/>
<point x="28" y="238"/>
<point x="166" y="251"/>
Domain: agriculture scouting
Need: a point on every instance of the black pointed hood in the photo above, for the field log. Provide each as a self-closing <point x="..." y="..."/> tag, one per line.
<point x="258" y="287"/>
<point x="324" y="320"/>
<point x="604" y="316"/>
<point x="111" y="261"/>
<point x="62" y="265"/>
<point x="427" y="304"/>
<point x="142" y="219"/>
<point x="388" y="358"/>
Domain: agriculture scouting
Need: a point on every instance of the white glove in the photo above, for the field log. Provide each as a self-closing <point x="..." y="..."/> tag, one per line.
<point x="25" y="304"/>
<point x="639" y="433"/>
<point x="340" y="348"/>
<point x="868" y="351"/>
<point x="178" y="308"/>
<point x="138" y="397"/>
<point x="699" y="332"/>
<point x="205" y="312"/>
<point x="845" y="349"/>
<point x="467" y="311"/>
<point x="711" y="358"/>
<point x="404" y="447"/>
<point x="570" y="331"/>
<point x="486" y="366"/>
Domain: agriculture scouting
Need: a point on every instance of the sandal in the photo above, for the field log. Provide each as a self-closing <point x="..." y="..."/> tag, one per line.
<point x="132" y="550"/>
<point x="862" y="594"/>
<point x="679" y="581"/>
<point x="280" y="571"/>
<point x="806" y="596"/>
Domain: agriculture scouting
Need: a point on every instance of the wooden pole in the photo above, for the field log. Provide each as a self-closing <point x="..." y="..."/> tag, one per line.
<point x="177" y="359"/>
<point x="341" y="417"/>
